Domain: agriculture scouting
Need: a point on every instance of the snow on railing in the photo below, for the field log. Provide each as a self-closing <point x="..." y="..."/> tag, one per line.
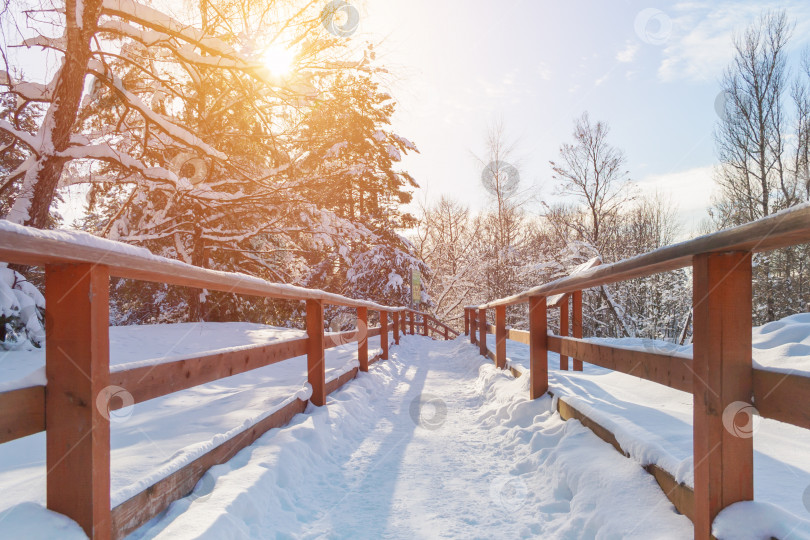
<point x="721" y="376"/>
<point x="75" y="410"/>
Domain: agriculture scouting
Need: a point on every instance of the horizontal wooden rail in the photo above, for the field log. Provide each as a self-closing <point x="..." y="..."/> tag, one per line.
<point x="786" y="228"/>
<point x="150" y="382"/>
<point x="669" y="370"/>
<point x="783" y="396"/>
<point x="22" y="412"/>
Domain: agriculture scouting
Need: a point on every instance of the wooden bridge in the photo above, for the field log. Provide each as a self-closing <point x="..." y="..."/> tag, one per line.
<point x="78" y="373"/>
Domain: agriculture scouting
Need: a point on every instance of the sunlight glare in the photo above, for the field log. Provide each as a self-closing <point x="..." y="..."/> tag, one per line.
<point x="278" y="59"/>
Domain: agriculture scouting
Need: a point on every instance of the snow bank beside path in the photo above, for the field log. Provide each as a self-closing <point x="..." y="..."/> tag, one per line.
<point x="653" y="423"/>
<point x="434" y="442"/>
<point x="158" y="437"/>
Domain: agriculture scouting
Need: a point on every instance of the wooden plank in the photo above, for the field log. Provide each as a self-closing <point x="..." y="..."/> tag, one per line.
<point x="147" y="504"/>
<point x="413" y="320"/>
<point x="491" y="329"/>
<point x="567" y="412"/>
<point x="577" y="323"/>
<point x="374" y="331"/>
<point x="316" y="360"/>
<point x="521" y="336"/>
<point x="723" y="385"/>
<point x="681" y="495"/>
<point x="384" y="334"/>
<point x="395" y="316"/>
<point x="22" y="412"/>
<point x="783" y="396"/>
<point x="335" y="384"/>
<point x="149" y="382"/>
<point x="473" y="326"/>
<point x="78" y="396"/>
<point x="482" y="332"/>
<point x="787" y="228"/>
<point x="538" y="347"/>
<point x="466" y="321"/>
<point x="376" y="358"/>
<point x="425" y="323"/>
<point x="362" y="338"/>
<point x="500" y="337"/>
<point x="564" y="330"/>
<point x="672" y="371"/>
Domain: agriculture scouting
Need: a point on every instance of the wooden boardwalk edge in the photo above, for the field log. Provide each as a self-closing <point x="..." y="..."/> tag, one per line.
<point x="134" y="512"/>
<point x="680" y="495"/>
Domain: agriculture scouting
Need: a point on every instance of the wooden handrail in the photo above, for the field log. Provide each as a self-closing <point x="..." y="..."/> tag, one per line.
<point x="24" y="245"/>
<point x="786" y="228"/>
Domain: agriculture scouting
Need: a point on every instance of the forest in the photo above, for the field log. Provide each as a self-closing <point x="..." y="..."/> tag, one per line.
<point x="253" y="137"/>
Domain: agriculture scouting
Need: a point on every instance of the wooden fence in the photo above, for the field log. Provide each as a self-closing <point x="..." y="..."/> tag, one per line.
<point x="720" y="375"/>
<point x="77" y="274"/>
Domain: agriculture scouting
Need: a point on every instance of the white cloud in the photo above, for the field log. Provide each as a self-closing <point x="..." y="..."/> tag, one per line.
<point x="701" y="43"/>
<point x="628" y="54"/>
<point x="690" y="191"/>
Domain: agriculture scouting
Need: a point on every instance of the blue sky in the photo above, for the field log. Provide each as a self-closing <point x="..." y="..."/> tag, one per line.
<point x="650" y="69"/>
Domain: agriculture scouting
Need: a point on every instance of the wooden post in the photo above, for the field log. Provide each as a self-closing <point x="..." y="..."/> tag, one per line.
<point x="482" y="332"/>
<point x="395" y="316"/>
<point x="538" y="347"/>
<point x="362" y="338"/>
<point x="466" y="321"/>
<point x="384" y="334"/>
<point x="577" y="326"/>
<point x="563" y="329"/>
<point x="444" y="332"/>
<point x="500" y="337"/>
<point x="316" y="364"/>
<point x="425" y="322"/>
<point x="413" y="317"/>
<point x="77" y="397"/>
<point x="473" y="327"/>
<point x="723" y="385"/>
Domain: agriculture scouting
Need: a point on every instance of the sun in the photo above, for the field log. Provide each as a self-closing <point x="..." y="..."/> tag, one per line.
<point x="278" y="59"/>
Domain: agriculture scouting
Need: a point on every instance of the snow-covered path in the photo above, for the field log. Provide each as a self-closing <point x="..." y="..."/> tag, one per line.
<point x="434" y="442"/>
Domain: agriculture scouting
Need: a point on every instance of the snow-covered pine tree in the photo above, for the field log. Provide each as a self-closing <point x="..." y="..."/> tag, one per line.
<point x="350" y="156"/>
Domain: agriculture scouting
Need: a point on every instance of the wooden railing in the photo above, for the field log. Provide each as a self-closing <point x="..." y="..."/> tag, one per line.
<point x="77" y="274"/>
<point x="720" y="375"/>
